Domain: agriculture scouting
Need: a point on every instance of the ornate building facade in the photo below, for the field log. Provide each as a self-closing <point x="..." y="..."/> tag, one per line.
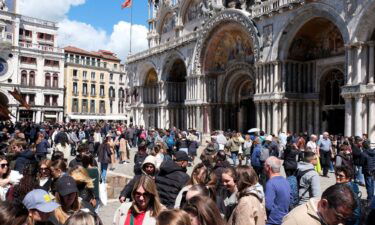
<point x="280" y="65"/>
<point x="95" y="86"/>
<point x="31" y="62"/>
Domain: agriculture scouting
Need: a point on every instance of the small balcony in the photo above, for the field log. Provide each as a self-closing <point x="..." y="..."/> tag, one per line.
<point x="45" y="48"/>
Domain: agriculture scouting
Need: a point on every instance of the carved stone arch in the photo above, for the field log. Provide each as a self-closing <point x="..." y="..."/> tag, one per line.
<point x="163" y="13"/>
<point x="168" y="62"/>
<point x="365" y="26"/>
<point x="225" y="16"/>
<point x="323" y="72"/>
<point x="143" y="71"/>
<point x="184" y="5"/>
<point x="236" y="74"/>
<point x="307" y="13"/>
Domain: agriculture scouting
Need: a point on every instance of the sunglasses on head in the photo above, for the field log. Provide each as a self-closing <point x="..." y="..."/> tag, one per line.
<point x="4" y="165"/>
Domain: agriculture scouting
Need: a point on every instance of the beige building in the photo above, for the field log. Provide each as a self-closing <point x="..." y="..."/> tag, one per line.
<point x="94" y="86"/>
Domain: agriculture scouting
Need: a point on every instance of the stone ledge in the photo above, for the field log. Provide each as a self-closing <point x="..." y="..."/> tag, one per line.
<point x="115" y="183"/>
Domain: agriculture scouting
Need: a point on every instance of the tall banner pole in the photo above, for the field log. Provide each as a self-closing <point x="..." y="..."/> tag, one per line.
<point x="131" y="26"/>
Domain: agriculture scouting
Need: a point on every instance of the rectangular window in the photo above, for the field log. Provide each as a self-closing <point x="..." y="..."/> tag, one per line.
<point x="121" y="78"/>
<point x="32" y="99"/>
<point x="92" y="106"/>
<point x="115" y="66"/>
<point x="101" y="90"/>
<point x="111" y="76"/>
<point x="93" y="75"/>
<point x="84" y="89"/>
<point x="93" y="91"/>
<point x="84" y="75"/>
<point x="55" y="82"/>
<point x="102" y="76"/>
<point x="75" y="88"/>
<point x="111" y="106"/>
<point x="75" y="105"/>
<point x="54" y="100"/>
<point x="84" y="106"/>
<point x="75" y="73"/>
<point x="47" y="100"/>
<point x="102" y="107"/>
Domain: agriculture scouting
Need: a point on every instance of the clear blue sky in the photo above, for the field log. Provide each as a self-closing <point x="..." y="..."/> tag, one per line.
<point x="105" y="13"/>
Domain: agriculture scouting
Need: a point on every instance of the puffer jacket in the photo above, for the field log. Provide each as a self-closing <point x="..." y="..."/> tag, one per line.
<point x="250" y="209"/>
<point x="170" y="180"/>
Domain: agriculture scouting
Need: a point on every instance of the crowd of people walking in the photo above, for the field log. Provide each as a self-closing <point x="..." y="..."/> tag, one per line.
<point x="54" y="174"/>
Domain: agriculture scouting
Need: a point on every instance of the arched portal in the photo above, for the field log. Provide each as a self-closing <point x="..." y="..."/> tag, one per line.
<point x="317" y="42"/>
<point x="150" y="98"/>
<point x="176" y="93"/>
<point x="332" y="104"/>
<point x="228" y="60"/>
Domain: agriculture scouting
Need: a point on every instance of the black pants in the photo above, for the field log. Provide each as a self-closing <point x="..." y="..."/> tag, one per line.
<point x="325" y="158"/>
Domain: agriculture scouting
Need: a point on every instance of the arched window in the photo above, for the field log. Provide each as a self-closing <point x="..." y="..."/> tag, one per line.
<point x="47" y="82"/>
<point x="23" y="77"/>
<point x="32" y="78"/>
<point x="55" y="80"/>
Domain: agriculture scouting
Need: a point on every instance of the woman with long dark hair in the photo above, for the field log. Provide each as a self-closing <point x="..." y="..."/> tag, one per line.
<point x="203" y="211"/>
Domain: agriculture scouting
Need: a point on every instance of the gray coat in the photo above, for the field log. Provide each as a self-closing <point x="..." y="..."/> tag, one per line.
<point x="310" y="181"/>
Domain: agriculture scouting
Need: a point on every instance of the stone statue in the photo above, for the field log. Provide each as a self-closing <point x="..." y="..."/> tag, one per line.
<point x="3" y="6"/>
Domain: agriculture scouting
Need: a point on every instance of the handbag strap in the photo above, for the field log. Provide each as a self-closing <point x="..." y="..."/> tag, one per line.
<point x="131" y="219"/>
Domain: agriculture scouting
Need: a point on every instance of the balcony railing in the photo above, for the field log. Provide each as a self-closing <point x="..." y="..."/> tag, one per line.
<point x="38" y="21"/>
<point x="270" y="6"/>
<point x="6" y="37"/>
<point x="40" y="47"/>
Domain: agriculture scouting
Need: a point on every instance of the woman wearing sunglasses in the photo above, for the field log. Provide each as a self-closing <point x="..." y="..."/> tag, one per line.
<point x="44" y="175"/>
<point x="145" y="206"/>
<point x="4" y="177"/>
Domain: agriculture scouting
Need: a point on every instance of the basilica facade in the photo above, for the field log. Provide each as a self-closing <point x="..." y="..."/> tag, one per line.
<point x="279" y="65"/>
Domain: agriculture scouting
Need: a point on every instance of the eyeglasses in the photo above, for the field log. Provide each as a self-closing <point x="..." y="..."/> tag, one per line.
<point x="144" y="195"/>
<point x="4" y="165"/>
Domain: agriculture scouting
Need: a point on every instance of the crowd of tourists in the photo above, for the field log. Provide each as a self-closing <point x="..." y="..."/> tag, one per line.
<point x="53" y="174"/>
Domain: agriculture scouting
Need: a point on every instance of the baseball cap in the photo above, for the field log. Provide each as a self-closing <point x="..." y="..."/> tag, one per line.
<point x="66" y="185"/>
<point x="39" y="199"/>
<point x="181" y="156"/>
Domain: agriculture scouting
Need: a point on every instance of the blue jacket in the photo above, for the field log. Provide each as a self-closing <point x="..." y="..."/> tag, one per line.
<point x="255" y="157"/>
<point x="23" y="159"/>
<point x="42" y="147"/>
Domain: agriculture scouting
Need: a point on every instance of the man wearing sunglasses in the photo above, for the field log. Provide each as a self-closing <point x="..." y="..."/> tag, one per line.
<point x="335" y="207"/>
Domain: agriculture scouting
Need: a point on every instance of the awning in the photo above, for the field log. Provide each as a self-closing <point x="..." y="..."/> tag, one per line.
<point x="97" y="117"/>
<point x="50" y="116"/>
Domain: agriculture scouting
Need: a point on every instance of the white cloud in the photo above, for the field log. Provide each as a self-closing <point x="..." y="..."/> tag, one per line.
<point x="83" y="35"/>
<point x="54" y="10"/>
<point x="87" y="37"/>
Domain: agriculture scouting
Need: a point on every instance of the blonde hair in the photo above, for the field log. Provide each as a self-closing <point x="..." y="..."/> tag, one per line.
<point x="173" y="217"/>
<point x="80" y="175"/>
<point x="83" y="218"/>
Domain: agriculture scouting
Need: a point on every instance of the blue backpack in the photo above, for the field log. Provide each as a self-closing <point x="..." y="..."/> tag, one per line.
<point x="294" y="192"/>
<point x="170" y="142"/>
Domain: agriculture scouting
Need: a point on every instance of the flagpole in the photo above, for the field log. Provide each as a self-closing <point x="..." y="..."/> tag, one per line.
<point x="131" y="25"/>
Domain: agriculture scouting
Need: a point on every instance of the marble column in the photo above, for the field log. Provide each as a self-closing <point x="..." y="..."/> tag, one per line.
<point x="283" y="76"/>
<point x="272" y="78"/>
<point x="350" y="62"/>
<point x="371" y="119"/>
<point x="275" y="118"/>
<point x="348" y="116"/>
<point x="269" y="117"/>
<point x="359" y="60"/>
<point x="264" y="110"/>
<point x="371" y="63"/>
<point x="316" y="118"/>
<point x="291" y="117"/>
<point x="304" y="117"/>
<point x="358" y="116"/>
<point x="310" y="117"/>
<point x="258" y="114"/>
<point x="277" y="82"/>
<point x="284" y="116"/>
<point x="364" y="115"/>
<point x="298" y="118"/>
<point x="300" y="77"/>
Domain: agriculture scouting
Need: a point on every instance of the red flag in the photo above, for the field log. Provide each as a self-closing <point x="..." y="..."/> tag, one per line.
<point x="126" y="4"/>
<point x="4" y="113"/>
<point x="17" y="95"/>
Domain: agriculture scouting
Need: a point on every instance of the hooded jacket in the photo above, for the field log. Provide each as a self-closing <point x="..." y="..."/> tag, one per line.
<point x="250" y="209"/>
<point x="310" y="181"/>
<point x="368" y="162"/>
<point x="127" y="191"/>
<point x="170" y="180"/>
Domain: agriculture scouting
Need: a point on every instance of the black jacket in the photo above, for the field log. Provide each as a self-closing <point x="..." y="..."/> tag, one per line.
<point x="24" y="159"/>
<point x="290" y="162"/>
<point x="170" y="180"/>
<point x="368" y="160"/>
<point x="357" y="155"/>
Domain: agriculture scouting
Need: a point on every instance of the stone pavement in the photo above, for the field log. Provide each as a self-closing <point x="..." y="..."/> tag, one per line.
<point x="106" y="213"/>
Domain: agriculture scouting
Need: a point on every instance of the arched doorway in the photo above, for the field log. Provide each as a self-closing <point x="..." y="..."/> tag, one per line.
<point x="150" y="98"/>
<point x="176" y="93"/>
<point x="228" y="67"/>
<point x="318" y="42"/>
<point x="332" y="104"/>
